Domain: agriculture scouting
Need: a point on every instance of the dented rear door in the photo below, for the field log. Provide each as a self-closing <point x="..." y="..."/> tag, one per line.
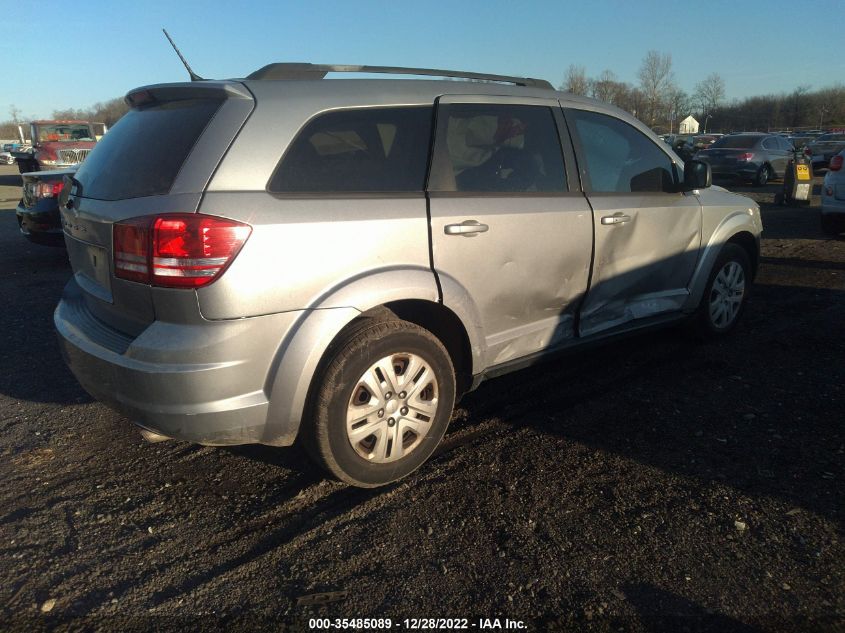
<point x="511" y="231"/>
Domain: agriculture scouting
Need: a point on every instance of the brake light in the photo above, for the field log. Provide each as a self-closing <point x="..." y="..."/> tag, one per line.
<point x="745" y="156"/>
<point x="48" y="189"/>
<point x="181" y="250"/>
<point x="808" y="151"/>
<point x="835" y="163"/>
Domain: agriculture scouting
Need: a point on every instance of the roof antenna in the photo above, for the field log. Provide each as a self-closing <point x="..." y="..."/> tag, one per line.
<point x="194" y="76"/>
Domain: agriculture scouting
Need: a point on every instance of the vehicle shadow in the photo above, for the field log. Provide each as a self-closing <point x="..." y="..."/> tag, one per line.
<point x="757" y="411"/>
<point x="32" y="278"/>
<point x="662" y="611"/>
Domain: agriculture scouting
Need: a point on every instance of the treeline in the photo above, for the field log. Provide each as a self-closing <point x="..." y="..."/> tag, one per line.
<point x="658" y="101"/>
<point x="802" y="108"/>
<point x="107" y="112"/>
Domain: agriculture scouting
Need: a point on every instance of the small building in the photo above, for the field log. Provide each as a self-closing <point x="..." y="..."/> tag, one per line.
<point x="688" y="126"/>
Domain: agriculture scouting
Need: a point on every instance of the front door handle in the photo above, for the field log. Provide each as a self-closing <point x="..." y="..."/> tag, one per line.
<point x="467" y="228"/>
<point x="616" y="218"/>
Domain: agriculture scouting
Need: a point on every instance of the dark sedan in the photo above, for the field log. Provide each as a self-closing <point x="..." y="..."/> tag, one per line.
<point x="38" y="210"/>
<point x="753" y="156"/>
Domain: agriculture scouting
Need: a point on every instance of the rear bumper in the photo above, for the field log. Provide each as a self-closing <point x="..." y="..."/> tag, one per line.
<point x="748" y="170"/>
<point x="204" y="383"/>
<point x="40" y="225"/>
<point x="832" y="206"/>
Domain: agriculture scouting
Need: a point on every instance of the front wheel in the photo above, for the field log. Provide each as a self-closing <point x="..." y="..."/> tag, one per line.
<point x="725" y="294"/>
<point x="382" y="403"/>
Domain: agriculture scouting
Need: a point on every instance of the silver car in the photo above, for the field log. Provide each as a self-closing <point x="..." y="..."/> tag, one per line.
<point x="284" y="256"/>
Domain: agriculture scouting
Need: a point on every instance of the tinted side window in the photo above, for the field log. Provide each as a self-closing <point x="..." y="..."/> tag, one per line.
<point x="142" y="154"/>
<point x="619" y="158"/>
<point x="363" y="150"/>
<point x="786" y="144"/>
<point x="769" y="143"/>
<point x="498" y="148"/>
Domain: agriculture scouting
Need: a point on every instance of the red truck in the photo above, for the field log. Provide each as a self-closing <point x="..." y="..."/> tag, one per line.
<point x="58" y="144"/>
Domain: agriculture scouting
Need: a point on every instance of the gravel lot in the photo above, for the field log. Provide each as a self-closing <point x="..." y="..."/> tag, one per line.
<point x="656" y="485"/>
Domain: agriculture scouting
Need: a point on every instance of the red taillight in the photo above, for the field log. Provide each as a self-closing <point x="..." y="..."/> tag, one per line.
<point x="745" y="156"/>
<point x="176" y="250"/>
<point x="808" y="151"/>
<point x="835" y="163"/>
<point x="48" y="189"/>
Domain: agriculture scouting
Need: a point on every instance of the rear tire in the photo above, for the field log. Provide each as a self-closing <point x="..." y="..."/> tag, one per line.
<point x="725" y="295"/>
<point x="763" y="176"/>
<point x="381" y="403"/>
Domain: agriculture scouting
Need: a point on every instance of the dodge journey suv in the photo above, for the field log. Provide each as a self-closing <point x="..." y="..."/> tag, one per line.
<point x="288" y="257"/>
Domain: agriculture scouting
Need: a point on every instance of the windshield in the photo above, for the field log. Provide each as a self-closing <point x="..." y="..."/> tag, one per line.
<point x="736" y="142"/>
<point x="65" y="132"/>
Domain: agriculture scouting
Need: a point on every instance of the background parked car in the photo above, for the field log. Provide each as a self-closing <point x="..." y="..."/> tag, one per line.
<point x="824" y="148"/>
<point x="38" y="211"/>
<point x="753" y="156"/>
<point x="703" y="141"/>
<point x="833" y="196"/>
<point x="6" y="158"/>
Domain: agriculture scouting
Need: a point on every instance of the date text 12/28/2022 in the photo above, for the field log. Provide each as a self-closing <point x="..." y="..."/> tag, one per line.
<point x="416" y="624"/>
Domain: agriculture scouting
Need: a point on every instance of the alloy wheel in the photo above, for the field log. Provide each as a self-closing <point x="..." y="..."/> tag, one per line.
<point x="726" y="294"/>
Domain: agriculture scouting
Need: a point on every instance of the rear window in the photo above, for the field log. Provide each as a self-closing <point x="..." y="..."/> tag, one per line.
<point x="736" y="142"/>
<point x="363" y="150"/>
<point x="142" y="154"/>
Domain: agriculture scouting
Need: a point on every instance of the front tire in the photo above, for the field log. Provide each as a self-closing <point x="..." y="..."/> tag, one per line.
<point x="725" y="294"/>
<point x="382" y="403"/>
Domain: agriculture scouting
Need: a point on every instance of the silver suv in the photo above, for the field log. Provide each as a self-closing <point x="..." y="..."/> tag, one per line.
<point x="338" y="260"/>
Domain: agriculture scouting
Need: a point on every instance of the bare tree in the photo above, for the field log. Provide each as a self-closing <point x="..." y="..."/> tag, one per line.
<point x="655" y="76"/>
<point x="576" y="81"/>
<point x="14" y="113"/>
<point x="799" y="104"/>
<point x="709" y="93"/>
<point x="606" y="88"/>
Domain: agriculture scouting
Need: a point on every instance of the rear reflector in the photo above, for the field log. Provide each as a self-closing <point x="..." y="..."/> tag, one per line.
<point x="181" y="250"/>
<point x="836" y="163"/>
<point x="745" y="156"/>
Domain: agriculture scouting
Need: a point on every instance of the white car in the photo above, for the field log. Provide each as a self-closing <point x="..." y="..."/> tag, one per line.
<point x="833" y="196"/>
<point x="6" y="158"/>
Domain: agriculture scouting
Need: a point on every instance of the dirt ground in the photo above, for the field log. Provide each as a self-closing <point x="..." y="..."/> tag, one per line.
<point x="655" y="485"/>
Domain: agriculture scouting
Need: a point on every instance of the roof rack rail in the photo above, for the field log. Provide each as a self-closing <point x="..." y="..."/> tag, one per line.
<point x="318" y="71"/>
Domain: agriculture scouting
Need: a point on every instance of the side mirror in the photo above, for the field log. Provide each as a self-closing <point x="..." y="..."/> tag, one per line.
<point x="697" y="175"/>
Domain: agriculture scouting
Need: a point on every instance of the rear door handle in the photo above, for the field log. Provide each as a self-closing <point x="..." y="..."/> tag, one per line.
<point x="467" y="228"/>
<point x="616" y="218"/>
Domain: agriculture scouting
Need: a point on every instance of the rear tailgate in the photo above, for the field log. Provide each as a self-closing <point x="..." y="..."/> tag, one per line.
<point x="157" y="159"/>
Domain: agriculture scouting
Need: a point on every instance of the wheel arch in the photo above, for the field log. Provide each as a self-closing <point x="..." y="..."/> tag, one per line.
<point x="409" y="294"/>
<point x="737" y="228"/>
